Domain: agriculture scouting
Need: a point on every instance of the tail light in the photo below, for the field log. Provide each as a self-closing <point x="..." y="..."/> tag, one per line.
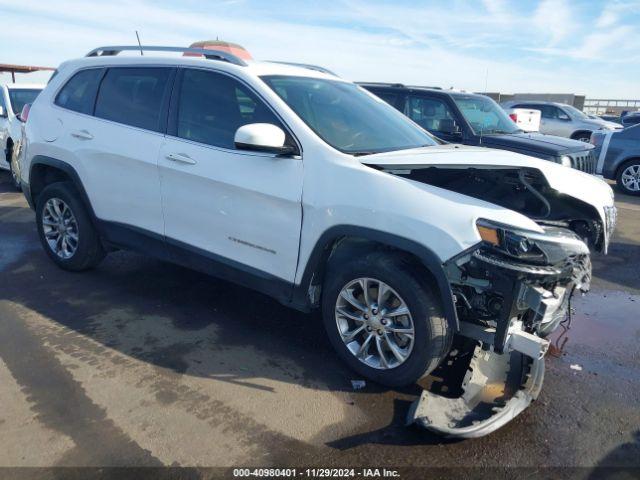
<point x="514" y="117"/>
<point x="24" y="114"/>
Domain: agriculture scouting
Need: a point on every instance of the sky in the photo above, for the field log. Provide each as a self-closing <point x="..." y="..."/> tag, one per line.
<point x="586" y="47"/>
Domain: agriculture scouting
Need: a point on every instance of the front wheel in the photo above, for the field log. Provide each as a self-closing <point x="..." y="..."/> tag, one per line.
<point x="628" y="178"/>
<point x="384" y="319"/>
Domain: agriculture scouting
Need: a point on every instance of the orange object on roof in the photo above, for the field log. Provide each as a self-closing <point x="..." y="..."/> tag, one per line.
<point x="13" y="69"/>
<point x="233" y="48"/>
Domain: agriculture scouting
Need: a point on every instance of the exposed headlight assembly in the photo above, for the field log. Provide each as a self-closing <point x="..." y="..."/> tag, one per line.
<point x="548" y="248"/>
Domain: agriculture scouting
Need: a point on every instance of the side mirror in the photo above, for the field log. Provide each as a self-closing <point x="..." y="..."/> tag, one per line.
<point x="564" y="117"/>
<point x="3" y="112"/>
<point x="262" y="137"/>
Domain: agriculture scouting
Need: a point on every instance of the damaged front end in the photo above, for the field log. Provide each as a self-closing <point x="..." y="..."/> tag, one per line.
<point x="513" y="287"/>
<point x="511" y="291"/>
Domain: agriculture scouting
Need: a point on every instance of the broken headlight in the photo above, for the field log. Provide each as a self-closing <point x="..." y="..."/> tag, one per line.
<point x="548" y="248"/>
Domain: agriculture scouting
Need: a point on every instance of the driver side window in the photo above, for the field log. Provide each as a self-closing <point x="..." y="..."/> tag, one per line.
<point x="431" y="114"/>
<point x="212" y="106"/>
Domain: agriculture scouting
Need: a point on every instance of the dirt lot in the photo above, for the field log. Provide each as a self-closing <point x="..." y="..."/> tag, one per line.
<point x="144" y="363"/>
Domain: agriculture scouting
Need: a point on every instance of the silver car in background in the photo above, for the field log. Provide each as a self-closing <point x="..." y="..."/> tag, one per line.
<point x="564" y="120"/>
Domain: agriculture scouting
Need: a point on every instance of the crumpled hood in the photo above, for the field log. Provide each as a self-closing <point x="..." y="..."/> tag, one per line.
<point x="583" y="186"/>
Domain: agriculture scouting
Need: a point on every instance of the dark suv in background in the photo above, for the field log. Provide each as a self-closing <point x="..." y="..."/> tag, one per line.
<point x="472" y="119"/>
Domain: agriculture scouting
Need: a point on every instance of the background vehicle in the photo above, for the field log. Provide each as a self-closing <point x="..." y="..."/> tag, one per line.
<point x="564" y="120"/>
<point x="619" y="157"/>
<point x="12" y="98"/>
<point x="395" y="224"/>
<point x="611" y="118"/>
<point x="632" y="118"/>
<point x="527" y="120"/>
<point x="473" y="119"/>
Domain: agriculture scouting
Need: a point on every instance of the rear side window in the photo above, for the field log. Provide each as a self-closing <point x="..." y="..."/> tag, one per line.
<point x="79" y="93"/>
<point x="133" y="96"/>
<point x="212" y="106"/>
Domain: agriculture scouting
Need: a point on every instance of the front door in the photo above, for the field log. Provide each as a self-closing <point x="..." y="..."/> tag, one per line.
<point x="230" y="212"/>
<point x="434" y="115"/>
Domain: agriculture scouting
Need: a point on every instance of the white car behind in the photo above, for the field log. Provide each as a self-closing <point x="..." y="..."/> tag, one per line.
<point x="13" y="97"/>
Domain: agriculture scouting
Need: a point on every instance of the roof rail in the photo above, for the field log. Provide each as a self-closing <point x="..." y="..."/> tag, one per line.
<point x="383" y="84"/>
<point x="307" y="66"/>
<point x="205" y="52"/>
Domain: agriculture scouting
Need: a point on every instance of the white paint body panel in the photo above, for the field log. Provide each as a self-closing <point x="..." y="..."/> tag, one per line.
<point x="243" y="206"/>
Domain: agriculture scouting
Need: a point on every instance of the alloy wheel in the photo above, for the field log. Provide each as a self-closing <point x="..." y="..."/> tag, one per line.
<point x="631" y="178"/>
<point x="374" y="323"/>
<point x="60" y="228"/>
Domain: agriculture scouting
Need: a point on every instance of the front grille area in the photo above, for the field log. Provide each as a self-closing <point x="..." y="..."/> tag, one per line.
<point x="584" y="161"/>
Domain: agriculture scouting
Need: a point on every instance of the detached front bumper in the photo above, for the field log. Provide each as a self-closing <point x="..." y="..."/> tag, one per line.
<point x="496" y="389"/>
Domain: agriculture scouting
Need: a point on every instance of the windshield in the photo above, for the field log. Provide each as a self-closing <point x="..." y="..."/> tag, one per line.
<point x="19" y="97"/>
<point x="347" y="117"/>
<point x="575" y="112"/>
<point x="484" y="115"/>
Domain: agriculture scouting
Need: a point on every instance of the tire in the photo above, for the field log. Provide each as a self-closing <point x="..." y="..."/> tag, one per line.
<point x="432" y="333"/>
<point x="632" y="167"/>
<point x="88" y="251"/>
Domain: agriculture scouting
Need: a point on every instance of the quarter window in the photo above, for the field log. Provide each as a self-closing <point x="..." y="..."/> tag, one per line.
<point x="212" y="106"/>
<point x="134" y="96"/>
<point x="79" y="93"/>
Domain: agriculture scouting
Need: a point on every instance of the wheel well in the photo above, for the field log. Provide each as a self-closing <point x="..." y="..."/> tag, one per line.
<point x="579" y="133"/>
<point x="43" y="175"/>
<point x="347" y="247"/>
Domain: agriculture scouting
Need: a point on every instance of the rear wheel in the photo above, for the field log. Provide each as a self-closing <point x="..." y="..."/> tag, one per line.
<point x="628" y="178"/>
<point x="65" y="229"/>
<point x="384" y="319"/>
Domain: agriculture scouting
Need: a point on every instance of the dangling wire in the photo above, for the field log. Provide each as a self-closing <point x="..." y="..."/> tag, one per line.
<point x="562" y="339"/>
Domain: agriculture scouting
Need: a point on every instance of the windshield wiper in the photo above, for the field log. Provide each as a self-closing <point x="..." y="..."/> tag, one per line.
<point x="362" y="154"/>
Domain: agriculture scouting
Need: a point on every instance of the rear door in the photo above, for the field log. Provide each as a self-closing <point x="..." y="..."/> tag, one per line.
<point x="117" y="142"/>
<point x="228" y="211"/>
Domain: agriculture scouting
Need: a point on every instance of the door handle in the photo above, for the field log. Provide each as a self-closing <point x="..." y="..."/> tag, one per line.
<point x="82" y="135"/>
<point x="181" y="158"/>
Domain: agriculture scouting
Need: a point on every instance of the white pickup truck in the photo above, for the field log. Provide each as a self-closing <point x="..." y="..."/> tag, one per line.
<point x="527" y="119"/>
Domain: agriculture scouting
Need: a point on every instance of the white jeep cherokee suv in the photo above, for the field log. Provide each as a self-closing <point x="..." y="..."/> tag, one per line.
<point x="291" y="181"/>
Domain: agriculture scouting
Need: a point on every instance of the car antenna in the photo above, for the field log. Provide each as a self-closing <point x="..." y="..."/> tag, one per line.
<point x="486" y="82"/>
<point x="139" y="43"/>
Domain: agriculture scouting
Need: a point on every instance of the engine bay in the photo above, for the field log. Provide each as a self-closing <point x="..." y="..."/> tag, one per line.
<point x="523" y="190"/>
